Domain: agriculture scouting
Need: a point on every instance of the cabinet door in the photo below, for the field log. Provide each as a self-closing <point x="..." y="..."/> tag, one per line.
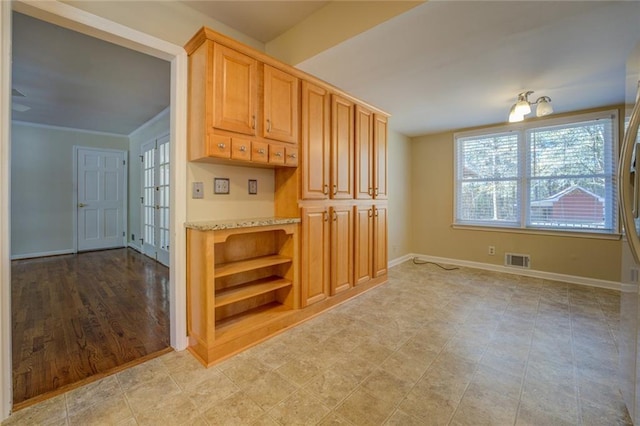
<point x="314" y="271"/>
<point x="342" y="148"/>
<point x="379" y="241"/>
<point x="280" y="105"/>
<point x="341" y="249"/>
<point x="364" y="153"/>
<point x="363" y="244"/>
<point x="259" y="152"/>
<point x="235" y="98"/>
<point x="315" y="142"/>
<point x="380" y="155"/>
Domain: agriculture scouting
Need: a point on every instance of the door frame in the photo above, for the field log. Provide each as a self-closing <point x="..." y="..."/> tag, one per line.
<point x="78" y="20"/>
<point x="125" y="191"/>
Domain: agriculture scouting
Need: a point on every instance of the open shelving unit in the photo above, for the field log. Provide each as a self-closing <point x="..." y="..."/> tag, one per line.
<point x="242" y="284"/>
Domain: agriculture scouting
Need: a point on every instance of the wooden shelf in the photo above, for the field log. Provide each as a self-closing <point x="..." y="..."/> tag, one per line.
<point x="225" y="269"/>
<point x="247" y="321"/>
<point x="250" y="289"/>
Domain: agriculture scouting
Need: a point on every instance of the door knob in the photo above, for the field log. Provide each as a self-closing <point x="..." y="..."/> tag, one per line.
<point x="81" y="204"/>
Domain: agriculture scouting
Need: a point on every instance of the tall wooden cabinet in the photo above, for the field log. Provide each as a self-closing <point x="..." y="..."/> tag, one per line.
<point x="329" y="152"/>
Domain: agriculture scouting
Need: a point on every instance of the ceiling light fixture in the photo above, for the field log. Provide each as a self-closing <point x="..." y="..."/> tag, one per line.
<point x="522" y="107"/>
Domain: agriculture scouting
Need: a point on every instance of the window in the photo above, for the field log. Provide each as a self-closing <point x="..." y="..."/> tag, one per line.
<point x="556" y="174"/>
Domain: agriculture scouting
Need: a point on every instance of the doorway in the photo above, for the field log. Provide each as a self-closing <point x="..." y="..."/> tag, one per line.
<point x="93" y="25"/>
<point x="101" y="193"/>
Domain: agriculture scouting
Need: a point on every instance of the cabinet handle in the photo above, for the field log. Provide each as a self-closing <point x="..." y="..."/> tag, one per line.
<point x="221" y="145"/>
<point x="243" y="148"/>
<point x="370" y="213"/>
<point x="335" y="189"/>
<point x="325" y="216"/>
<point x="292" y="156"/>
<point x="253" y="121"/>
<point x="375" y="212"/>
<point x="335" y="216"/>
<point x="370" y="191"/>
<point x="278" y="154"/>
<point x="375" y="192"/>
<point x="261" y="151"/>
<point x="325" y="189"/>
<point x="268" y="125"/>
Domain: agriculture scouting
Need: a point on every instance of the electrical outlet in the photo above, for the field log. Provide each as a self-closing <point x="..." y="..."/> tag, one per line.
<point x="253" y="186"/>
<point x="198" y="190"/>
<point x="220" y="185"/>
<point x="492" y="250"/>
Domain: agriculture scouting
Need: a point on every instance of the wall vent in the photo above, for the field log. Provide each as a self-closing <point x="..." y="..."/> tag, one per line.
<point x="517" y="260"/>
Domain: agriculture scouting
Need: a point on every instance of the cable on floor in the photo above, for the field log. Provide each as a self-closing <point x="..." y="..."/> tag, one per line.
<point x="416" y="261"/>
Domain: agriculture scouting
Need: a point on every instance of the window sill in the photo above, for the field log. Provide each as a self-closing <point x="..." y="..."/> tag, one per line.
<point x="570" y="234"/>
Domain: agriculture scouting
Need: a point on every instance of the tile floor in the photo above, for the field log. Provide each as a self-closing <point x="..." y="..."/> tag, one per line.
<point x="431" y="347"/>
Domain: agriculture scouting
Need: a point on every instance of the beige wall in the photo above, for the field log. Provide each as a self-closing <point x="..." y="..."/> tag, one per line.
<point x="432" y="234"/>
<point x="400" y="194"/>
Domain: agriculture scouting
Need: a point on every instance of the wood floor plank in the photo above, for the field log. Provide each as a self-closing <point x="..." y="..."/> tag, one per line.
<point x="77" y="316"/>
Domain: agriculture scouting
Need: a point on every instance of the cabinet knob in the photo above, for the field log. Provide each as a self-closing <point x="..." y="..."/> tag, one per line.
<point x="243" y="148"/>
<point x="261" y="151"/>
<point x="81" y="205"/>
<point x="221" y="145"/>
<point x="292" y="156"/>
<point x="278" y="154"/>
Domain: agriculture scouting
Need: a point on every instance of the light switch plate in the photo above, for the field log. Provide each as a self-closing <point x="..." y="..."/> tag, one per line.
<point x="220" y="185"/>
<point x="253" y="186"/>
<point x="197" y="190"/>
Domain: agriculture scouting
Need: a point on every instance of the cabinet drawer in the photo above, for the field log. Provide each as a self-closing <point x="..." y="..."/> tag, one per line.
<point x="240" y="149"/>
<point x="259" y="152"/>
<point x="219" y="146"/>
<point x="291" y="158"/>
<point x="276" y="154"/>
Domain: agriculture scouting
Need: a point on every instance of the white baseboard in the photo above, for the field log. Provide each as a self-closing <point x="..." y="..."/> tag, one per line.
<point x="41" y="254"/>
<point x="399" y="260"/>
<point x="572" y="279"/>
<point x="136" y="247"/>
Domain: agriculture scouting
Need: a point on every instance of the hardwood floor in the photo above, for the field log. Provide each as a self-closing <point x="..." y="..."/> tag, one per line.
<point x="77" y="316"/>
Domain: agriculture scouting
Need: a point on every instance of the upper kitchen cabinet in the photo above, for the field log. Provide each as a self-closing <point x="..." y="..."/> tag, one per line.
<point x="315" y="142"/>
<point x="371" y="155"/>
<point x="235" y="95"/>
<point x="281" y="103"/>
<point x="241" y="97"/>
<point x="342" y="148"/>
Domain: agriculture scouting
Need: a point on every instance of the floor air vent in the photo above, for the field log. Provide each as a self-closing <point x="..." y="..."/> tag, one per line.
<point x="517" y="260"/>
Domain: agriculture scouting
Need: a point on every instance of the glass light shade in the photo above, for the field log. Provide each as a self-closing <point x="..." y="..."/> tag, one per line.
<point x="522" y="107"/>
<point x="544" y="107"/>
<point x="514" y="117"/>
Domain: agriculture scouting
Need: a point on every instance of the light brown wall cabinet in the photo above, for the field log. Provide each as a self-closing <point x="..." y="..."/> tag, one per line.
<point x="371" y="155"/>
<point x="237" y="100"/>
<point x="342" y="148"/>
<point x="315" y="142"/>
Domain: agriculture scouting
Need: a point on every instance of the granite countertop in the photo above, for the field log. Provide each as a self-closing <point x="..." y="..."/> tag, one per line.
<point x="216" y="225"/>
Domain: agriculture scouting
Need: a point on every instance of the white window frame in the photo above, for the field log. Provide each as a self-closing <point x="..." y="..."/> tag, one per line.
<point x="524" y="182"/>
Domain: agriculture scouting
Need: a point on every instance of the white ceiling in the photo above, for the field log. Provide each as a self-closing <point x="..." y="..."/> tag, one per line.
<point x="442" y="65"/>
<point x="72" y="80"/>
<point x="455" y="64"/>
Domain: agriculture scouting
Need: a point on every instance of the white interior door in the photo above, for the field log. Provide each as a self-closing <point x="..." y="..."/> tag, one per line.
<point x="101" y="194"/>
<point x="155" y="199"/>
